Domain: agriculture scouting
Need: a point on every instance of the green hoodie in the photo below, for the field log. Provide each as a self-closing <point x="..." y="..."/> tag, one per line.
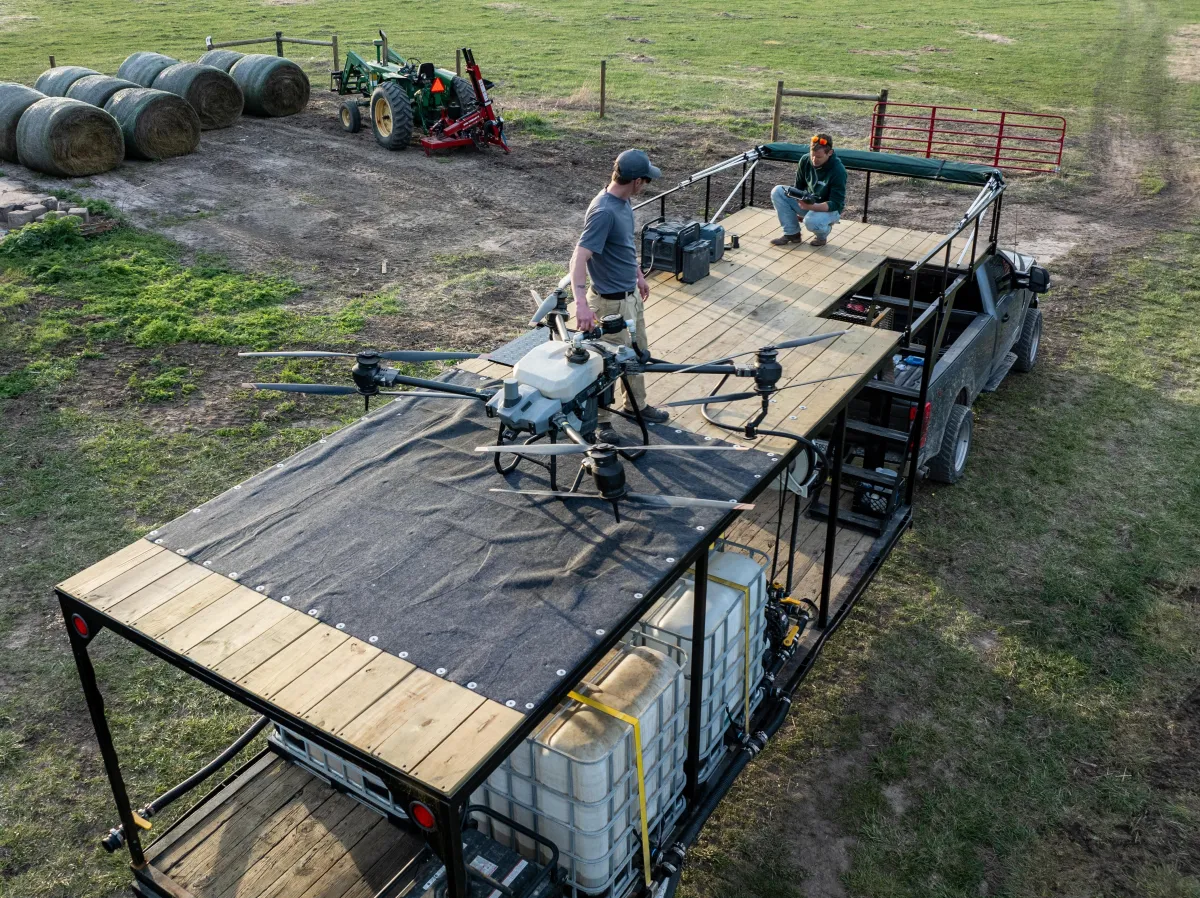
<point x="828" y="182"/>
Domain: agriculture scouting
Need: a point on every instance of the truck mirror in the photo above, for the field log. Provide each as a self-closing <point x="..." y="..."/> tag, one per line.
<point x="1039" y="279"/>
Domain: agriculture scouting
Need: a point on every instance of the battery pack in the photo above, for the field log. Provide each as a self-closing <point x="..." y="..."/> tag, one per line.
<point x="696" y="258"/>
<point x="714" y="234"/>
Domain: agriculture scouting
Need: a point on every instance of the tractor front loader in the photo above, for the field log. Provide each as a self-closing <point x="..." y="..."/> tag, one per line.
<point x="402" y="94"/>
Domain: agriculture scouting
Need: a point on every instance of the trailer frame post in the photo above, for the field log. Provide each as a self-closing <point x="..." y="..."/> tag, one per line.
<point x="835" y="495"/>
<point x="448" y="845"/>
<point x="696" y="696"/>
<point x="95" y="705"/>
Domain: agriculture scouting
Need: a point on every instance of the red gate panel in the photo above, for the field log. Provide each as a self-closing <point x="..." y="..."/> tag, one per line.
<point x="1016" y="141"/>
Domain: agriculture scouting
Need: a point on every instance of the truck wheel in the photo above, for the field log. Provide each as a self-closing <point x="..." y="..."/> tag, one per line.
<point x="464" y="96"/>
<point x="391" y="116"/>
<point x="948" y="465"/>
<point x="1031" y="337"/>
<point x="350" y="116"/>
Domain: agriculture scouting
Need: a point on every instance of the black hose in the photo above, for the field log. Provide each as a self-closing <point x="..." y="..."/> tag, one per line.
<point x="116" y="836"/>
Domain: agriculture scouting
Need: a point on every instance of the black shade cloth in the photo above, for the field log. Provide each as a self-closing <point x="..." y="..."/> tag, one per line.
<point x="387" y="529"/>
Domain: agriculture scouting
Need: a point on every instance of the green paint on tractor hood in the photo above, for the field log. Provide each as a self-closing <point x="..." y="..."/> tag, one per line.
<point x="892" y="164"/>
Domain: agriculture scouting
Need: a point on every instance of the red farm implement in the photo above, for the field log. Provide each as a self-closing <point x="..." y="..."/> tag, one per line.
<point x="1015" y="141"/>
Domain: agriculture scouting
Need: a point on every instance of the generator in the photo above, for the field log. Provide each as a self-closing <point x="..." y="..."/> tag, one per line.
<point x="679" y="247"/>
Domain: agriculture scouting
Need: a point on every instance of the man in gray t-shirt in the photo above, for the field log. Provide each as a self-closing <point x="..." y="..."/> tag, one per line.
<point x="607" y="254"/>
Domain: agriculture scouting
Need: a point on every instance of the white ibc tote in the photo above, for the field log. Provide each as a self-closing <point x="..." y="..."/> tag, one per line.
<point x="574" y="780"/>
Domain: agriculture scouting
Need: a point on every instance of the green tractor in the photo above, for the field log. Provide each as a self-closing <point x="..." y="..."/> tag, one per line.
<point x="400" y="95"/>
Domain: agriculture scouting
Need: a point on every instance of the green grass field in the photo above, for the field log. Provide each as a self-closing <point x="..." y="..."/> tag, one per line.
<point x="1013" y="708"/>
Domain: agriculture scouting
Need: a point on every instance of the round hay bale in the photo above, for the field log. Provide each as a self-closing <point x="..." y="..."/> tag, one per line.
<point x="14" y="100"/>
<point x="273" y="86"/>
<point x="69" y="138"/>
<point x="213" y="94"/>
<point x="55" y="82"/>
<point x="156" y="124"/>
<point x="220" y="59"/>
<point x="97" y="89"/>
<point x="143" y="67"/>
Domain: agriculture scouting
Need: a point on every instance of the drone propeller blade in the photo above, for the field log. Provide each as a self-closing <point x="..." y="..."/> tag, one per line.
<point x="327" y="389"/>
<point x="298" y="354"/>
<point x="648" y="501"/>
<point x="787" y="344"/>
<point x="417" y="355"/>
<point x="577" y="449"/>
<point x="551" y="300"/>
<point x="736" y="397"/>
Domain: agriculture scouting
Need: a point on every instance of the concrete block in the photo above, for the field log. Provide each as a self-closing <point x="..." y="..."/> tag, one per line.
<point x="18" y="218"/>
<point x="50" y="202"/>
<point x="36" y="211"/>
<point x="80" y="212"/>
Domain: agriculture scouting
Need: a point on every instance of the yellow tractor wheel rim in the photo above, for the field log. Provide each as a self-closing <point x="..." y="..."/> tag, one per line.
<point x="345" y="116"/>
<point x="383" y="117"/>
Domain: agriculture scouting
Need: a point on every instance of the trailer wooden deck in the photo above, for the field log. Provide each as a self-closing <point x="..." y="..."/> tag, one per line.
<point x="276" y="831"/>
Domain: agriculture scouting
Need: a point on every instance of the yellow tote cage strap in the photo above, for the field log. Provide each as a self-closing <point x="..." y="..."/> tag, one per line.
<point x="745" y="591"/>
<point x="641" y="771"/>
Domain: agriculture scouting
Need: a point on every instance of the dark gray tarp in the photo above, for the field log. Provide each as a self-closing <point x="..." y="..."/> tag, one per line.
<point x="893" y="164"/>
<point x="388" y="527"/>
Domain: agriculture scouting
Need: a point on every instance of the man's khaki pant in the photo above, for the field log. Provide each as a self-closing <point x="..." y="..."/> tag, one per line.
<point x="630" y="309"/>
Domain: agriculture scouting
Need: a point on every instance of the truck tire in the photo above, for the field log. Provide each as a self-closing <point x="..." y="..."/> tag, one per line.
<point x="391" y="116"/>
<point x="464" y="95"/>
<point x="350" y="117"/>
<point x="948" y="465"/>
<point x="1031" y="338"/>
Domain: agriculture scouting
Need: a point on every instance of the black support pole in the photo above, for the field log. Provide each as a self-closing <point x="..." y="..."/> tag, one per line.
<point x="707" y="195"/>
<point x="835" y="495"/>
<point x="448" y="845"/>
<point x="108" y="752"/>
<point x="867" y="197"/>
<point x="792" y="540"/>
<point x="699" y="614"/>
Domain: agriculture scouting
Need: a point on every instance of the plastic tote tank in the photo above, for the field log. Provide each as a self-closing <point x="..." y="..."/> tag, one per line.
<point x="737" y="590"/>
<point x="574" y="779"/>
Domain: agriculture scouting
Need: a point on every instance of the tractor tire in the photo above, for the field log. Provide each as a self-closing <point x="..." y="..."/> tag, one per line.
<point x="950" y="463"/>
<point x="464" y="96"/>
<point x="1031" y="338"/>
<point x="391" y="116"/>
<point x="350" y="116"/>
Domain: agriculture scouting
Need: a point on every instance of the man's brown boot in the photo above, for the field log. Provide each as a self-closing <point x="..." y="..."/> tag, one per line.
<point x="817" y="241"/>
<point x="785" y="239"/>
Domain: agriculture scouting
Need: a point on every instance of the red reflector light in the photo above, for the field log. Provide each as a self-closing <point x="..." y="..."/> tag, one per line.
<point x="912" y="413"/>
<point x="438" y="87"/>
<point x="422" y="816"/>
<point x="80" y="626"/>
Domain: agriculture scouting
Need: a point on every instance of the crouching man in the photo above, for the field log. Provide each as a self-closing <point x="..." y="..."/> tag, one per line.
<point x="821" y="185"/>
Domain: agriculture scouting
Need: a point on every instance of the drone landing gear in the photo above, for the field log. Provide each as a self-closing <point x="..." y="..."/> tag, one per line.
<point x="637" y="417"/>
<point x="551" y="464"/>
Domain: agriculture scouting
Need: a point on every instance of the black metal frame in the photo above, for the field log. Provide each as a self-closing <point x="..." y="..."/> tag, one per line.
<point x="446" y="839"/>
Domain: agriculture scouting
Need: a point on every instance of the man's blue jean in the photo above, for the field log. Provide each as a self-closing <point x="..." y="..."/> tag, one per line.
<point x="790" y="213"/>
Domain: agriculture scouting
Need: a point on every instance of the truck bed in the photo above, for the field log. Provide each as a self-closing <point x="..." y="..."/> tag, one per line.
<point x="274" y="829"/>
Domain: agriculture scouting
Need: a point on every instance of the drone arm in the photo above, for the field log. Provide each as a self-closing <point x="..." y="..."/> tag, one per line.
<point x="675" y="368"/>
<point x="392" y="378"/>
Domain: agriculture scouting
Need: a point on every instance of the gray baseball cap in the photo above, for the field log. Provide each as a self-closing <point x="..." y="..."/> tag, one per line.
<point x="636" y="164"/>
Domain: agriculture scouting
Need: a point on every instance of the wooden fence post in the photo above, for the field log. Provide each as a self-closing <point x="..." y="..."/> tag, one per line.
<point x="458" y="62"/>
<point x="778" y="111"/>
<point x="337" y="60"/>
<point x="278" y="43"/>
<point x="877" y="127"/>
<point x="603" y="78"/>
<point x="51" y="62"/>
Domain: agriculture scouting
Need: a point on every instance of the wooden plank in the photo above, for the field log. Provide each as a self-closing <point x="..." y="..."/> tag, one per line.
<point x="325" y="676"/>
<point x="461" y="753"/>
<point x="422" y="725"/>
<point x="204" y="623"/>
<point x="285" y="666"/>
<point x="114" y="565"/>
<point x="266" y="646"/>
<point x="126" y="584"/>
<point x="384" y="716"/>
<point x="160" y="882"/>
<point x="360" y="866"/>
<point x="235" y="635"/>
<point x="179" y="608"/>
<point x="359" y="692"/>
<point x="161" y="590"/>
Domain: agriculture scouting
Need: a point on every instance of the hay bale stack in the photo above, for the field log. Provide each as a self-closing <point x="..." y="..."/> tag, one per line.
<point x="69" y="138"/>
<point x="220" y="59"/>
<point x="14" y="100"/>
<point x="97" y="90"/>
<point x="155" y="124"/>
<point x="214" y="95"/>
<point x="143" y="67"/>
<point x="273" y="86"/>
<point x="56" y="82"/>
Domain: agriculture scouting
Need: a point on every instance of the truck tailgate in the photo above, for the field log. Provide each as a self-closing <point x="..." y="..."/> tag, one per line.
<point x="274" y="829"/>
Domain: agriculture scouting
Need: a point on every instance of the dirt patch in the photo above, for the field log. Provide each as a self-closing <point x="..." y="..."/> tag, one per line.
<point x="641" y="57"/>
<point x="907" y="54"/>
<point x="988" y="36"/>
<point x="504" y="7"/>
<point x="1183" y="61"/>
<point x="639" y="40"/>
